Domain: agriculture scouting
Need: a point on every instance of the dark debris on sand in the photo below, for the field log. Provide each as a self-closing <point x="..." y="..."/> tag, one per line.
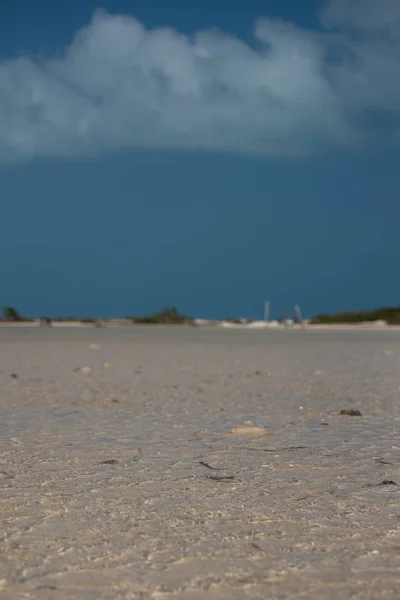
<point x="383" y="483"/>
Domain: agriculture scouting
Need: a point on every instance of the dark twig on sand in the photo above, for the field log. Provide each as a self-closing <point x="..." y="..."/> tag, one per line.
<point x="208" y="466"/>
<point x="383" y="483"/>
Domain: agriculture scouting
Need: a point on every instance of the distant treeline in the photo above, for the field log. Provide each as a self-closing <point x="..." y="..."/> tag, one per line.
<point x="167" y="316"/>
<point x="390" y="315"/>
<point x="171" y="316"/>
<point x="12" y="315"/>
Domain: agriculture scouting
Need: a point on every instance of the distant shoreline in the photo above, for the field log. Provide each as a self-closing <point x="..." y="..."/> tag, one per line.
<point x="380" y="318"/>
<point x="204" y="324"/>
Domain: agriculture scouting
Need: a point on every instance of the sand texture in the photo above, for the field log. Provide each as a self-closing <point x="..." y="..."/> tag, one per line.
<point x="167" y="463"/>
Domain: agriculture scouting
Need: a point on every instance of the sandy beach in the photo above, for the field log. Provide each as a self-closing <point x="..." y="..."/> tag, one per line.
<point x="194" y="463"/>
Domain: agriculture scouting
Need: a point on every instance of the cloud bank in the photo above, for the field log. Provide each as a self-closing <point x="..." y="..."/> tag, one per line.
<point x="291" y="92"/>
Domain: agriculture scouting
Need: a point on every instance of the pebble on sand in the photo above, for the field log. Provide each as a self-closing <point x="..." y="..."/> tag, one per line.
<point x="250" y="430"/>
<point x="351" y="412"/>
<point x="85" y="370"/>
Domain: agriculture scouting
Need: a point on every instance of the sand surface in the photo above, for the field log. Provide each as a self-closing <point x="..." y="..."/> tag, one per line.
<point x="103" y="494"/>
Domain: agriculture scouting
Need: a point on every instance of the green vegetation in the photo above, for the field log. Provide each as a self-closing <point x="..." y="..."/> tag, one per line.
<point x="171" y="316"/>
<point x="390" y="315"/>
<point x="11" y="314"/>
<point x="168" y="316"/>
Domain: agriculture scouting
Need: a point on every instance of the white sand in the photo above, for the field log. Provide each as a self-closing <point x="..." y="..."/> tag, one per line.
<point x="301" y="517"/>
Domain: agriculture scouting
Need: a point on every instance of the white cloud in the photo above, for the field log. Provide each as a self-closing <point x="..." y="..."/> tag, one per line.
<point x="295" y="92"/>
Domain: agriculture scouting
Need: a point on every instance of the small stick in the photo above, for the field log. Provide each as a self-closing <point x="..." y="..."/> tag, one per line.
<point x="208" y="466"/>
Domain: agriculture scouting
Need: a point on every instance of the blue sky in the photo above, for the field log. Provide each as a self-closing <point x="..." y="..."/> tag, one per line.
<point x="156" y="153"/>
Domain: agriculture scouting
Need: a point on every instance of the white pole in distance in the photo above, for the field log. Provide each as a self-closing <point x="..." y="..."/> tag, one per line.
<point x="299" y="315"/>
<point x="266" y="312"/>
